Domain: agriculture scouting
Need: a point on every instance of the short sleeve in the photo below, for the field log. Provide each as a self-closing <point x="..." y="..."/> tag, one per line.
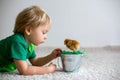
<point x="33" y="55"/>
<point x="18" y="51"/>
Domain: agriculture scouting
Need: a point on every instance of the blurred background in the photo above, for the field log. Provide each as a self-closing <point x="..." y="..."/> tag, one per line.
<point x="91" y="22"/>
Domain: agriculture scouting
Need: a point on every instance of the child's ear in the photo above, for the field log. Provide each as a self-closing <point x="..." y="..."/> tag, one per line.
<point x="28" y="30"/>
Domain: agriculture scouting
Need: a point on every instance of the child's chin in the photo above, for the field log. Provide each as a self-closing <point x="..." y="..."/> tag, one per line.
<point x="39" y="43"/>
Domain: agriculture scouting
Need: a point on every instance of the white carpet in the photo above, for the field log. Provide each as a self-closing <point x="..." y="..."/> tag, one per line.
<point x="98" y="64"/>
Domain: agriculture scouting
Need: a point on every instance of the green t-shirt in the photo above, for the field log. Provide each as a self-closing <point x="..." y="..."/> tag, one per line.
<point x="14" y="47"/>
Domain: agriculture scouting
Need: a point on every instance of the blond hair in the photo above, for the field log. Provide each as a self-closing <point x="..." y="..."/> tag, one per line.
<point x="32" y="16"/>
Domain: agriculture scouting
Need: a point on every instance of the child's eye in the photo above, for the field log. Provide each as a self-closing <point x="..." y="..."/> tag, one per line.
<point x="44" y="32"/>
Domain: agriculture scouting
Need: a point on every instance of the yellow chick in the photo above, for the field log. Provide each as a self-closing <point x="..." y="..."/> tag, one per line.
<point x="72" y="44"/>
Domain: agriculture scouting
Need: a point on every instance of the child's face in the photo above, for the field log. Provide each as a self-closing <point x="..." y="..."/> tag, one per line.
<point x="38" y="35"/>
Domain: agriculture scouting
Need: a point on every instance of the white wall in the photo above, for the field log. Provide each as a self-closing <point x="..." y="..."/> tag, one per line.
<point x="91" y="22"/>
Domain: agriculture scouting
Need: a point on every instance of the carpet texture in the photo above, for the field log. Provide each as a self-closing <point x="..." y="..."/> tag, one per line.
<point x="100" y="63"/>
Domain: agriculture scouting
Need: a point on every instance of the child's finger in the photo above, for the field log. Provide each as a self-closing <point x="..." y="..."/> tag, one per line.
<point x="58" y="55"/>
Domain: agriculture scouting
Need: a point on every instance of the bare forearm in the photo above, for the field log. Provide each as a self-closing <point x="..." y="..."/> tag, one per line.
<point x="30" y="70"/>
<point x="41" y="60"/>
<point x="25" y="69"/>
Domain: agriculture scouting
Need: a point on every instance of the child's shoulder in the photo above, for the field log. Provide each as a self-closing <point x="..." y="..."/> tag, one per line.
<point x="13" y="38"/>
<point x="16" y="37"/>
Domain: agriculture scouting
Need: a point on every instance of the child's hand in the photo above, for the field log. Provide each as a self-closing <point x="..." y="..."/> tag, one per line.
<point x="56" y="53"/>
<point x="52" y="67"/>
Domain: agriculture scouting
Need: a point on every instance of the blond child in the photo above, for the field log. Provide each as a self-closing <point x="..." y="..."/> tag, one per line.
<point x="31" y="27"/>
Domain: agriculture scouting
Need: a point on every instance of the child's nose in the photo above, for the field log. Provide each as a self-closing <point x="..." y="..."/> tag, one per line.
<point x="45" y="36"/>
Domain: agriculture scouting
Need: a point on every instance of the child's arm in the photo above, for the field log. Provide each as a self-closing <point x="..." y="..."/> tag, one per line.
<point x="40" y="61"/>
<point x="25" y="69"/>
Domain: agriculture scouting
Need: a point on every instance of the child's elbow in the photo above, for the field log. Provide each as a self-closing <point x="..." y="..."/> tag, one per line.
<point x="23" y="73"/>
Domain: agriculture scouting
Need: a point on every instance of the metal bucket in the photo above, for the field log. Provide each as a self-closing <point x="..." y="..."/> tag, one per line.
<point x="71" y="62"/>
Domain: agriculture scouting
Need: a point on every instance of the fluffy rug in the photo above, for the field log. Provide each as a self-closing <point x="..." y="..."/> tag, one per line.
<point x="102" y="63"/>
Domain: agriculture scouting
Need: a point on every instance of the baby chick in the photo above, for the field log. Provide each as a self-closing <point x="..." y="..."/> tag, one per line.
<point x="72" y="44"/>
